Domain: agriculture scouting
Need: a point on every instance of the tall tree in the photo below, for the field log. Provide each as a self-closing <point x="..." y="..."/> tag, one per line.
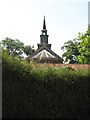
<point x="71" y="51"/>
<point x="84" y="48"/>
<point x="28" y="50"/>
<point x="14" y="47"/>
<point x="77" y="50"/>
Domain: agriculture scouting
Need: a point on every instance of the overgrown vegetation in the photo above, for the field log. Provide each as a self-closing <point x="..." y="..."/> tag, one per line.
<point x="32" y="92"/>
<point x="77" y="50"/>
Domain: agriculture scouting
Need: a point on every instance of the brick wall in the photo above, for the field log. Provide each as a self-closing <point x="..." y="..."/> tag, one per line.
<point x="74" y="66"/>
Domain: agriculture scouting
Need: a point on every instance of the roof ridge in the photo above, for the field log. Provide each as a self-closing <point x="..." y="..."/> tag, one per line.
<point x="49" y="50"/>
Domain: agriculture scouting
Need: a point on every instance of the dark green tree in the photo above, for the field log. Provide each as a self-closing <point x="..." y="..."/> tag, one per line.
<point x="77" y="50"/>
<point x="16" y="48"/>
<point x="71" y="51"/>
<point x="13" y="47"/>
<point x="28" y="50"/>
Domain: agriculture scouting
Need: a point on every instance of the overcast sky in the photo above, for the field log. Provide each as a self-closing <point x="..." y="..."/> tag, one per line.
<point x="23" y="20"/>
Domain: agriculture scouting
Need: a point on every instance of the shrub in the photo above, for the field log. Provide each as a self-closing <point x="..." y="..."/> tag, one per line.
<point x="34" y="92"/>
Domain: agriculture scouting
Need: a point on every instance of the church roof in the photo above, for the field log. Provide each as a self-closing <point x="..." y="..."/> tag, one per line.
<point x="45" y="52"/>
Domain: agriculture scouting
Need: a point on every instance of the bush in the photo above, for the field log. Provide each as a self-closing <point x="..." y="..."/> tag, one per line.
<point x="32" y="92"/>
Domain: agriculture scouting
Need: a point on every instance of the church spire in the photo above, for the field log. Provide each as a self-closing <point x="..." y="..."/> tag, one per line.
<point x="44" y="30"/>
<point x="44" y="24"/>
<point x="44" y="36"/>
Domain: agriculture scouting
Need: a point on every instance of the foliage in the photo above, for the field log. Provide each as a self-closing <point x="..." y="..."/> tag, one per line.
<point x="28" y="50"/>
<point x="77" y="50"/>
<point x="84" y="48"/>
<point x="71" y="51"/>
<point x="32" y="92"/>
<point x="16" y="48"/>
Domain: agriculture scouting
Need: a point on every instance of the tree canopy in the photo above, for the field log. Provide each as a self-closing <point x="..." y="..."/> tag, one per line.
<point x="16" y="48"/>
<point x="71" y="50"/>
<point x="77" y="50"/>
<point x="28" y="50"/>
<point x="84" y="48"/>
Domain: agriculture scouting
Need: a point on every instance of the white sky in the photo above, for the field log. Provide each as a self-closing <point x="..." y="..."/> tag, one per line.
<point x="23" y="20"/>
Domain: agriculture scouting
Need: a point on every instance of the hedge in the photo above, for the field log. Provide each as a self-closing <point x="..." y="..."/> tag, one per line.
<point x="32" y="92"/>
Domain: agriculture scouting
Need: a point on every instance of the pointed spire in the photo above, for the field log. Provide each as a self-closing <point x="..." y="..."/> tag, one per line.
<point x="44" y="24"/>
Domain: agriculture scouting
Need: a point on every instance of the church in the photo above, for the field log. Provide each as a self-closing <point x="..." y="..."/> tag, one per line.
<point x="44" y="53"/>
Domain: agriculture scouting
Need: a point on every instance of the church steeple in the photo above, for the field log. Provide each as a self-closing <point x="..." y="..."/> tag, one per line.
<point x="44" y="36"/>
<point x="44" y="52"/>
<point x="44" y="30"/>
<point x="44" y="24"/>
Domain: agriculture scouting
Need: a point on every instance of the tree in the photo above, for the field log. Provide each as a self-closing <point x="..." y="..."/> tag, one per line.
<point x="28" y="50"/>
<point x="84" y="48"/>
<point x="16" y="48"/>
<point x="13" y="47"/>
<point x="77" y="50"/>
<point x="71" y="51"/>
